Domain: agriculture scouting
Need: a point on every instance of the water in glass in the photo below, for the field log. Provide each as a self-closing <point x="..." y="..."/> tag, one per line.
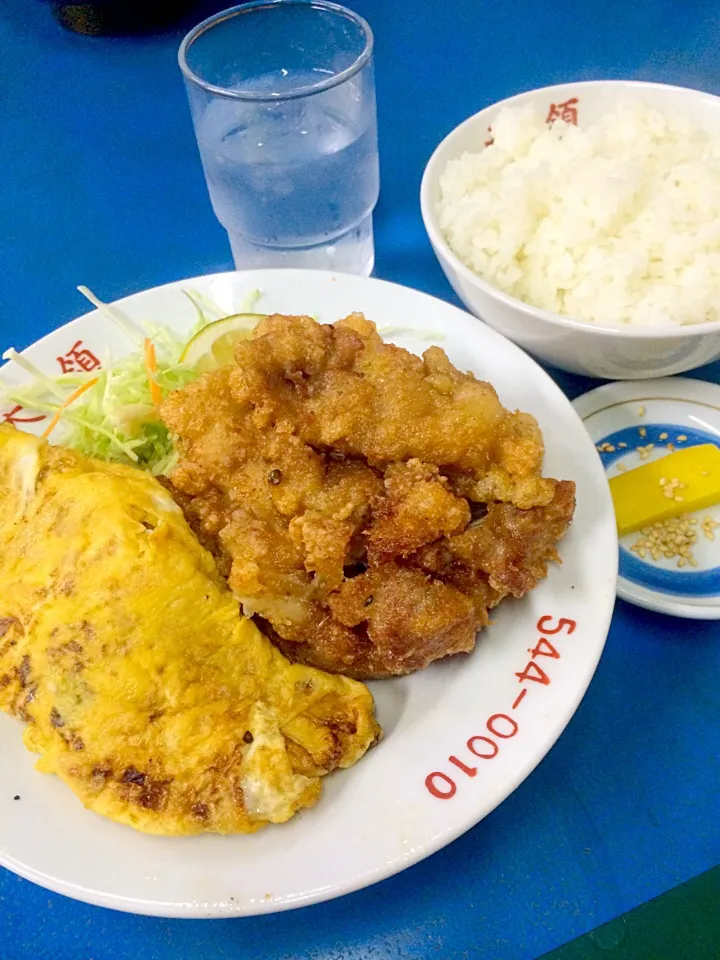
<point x="294" y="181"/>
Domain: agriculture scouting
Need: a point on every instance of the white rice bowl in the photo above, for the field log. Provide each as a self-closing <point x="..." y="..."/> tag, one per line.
<point x="616" y="223"/>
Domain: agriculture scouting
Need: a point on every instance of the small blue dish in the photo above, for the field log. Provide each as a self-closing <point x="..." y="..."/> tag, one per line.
<point x="633" y="422"/>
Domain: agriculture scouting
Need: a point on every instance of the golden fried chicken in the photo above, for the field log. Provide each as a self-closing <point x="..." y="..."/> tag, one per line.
<point x="368" y="506"/>
<point x="343" y="389"/>
<point x="124" y="652"/>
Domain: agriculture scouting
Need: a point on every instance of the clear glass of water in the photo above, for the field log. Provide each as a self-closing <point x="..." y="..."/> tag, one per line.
<point x="282" y="95"/>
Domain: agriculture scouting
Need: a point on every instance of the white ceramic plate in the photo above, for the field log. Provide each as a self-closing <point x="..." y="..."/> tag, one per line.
<point x="459" y="736"/>
<point x="679" y="412"/>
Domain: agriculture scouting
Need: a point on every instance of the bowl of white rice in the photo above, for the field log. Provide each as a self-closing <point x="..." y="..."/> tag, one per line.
<point x="582" y="221"/>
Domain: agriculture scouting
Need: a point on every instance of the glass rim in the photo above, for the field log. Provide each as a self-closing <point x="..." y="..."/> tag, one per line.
<point x="361" y="60"/>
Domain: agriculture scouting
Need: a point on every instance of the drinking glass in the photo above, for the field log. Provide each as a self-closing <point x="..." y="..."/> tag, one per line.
<point x="282" y="95"/>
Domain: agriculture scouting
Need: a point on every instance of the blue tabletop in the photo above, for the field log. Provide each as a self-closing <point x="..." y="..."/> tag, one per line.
<point x="101" y="184"/>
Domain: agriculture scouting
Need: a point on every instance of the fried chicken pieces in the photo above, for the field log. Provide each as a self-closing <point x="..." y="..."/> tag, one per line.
<point x="368" y="506"/>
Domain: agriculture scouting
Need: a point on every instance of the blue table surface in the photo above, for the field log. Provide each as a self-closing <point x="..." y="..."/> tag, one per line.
<point x="101" y="184"/>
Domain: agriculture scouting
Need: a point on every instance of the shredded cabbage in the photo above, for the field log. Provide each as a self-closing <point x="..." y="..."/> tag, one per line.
<point x="116" y="419"/>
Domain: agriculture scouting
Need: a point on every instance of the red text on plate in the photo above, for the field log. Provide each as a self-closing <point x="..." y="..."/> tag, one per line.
<point x="78" y="358"/>
<point x="12" y="416"/>
<point x="502" y="726"/>
<point x="567" y="112"/>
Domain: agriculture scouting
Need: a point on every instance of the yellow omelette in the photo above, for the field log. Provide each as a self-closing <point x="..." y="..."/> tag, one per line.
<point x="124" y="652"/>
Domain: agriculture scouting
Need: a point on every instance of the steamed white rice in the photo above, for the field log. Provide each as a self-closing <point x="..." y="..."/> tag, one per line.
<point x="617" y="223"/>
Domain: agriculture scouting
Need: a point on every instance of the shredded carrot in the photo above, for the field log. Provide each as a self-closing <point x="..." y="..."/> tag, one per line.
<point x="151" y="367"/>
<point x="65" y="404"/>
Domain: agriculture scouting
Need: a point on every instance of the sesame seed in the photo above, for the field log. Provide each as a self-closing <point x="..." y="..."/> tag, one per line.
<point x="670" y="487"/>
<point x="681" y="437"/>
<point x="642" y="431"/>
<point x="663" y="436"/>
<point x="641" y="411"/>
<point x="622" y="446"/>
<point x="621" y="467"/>
<point x="708" y="527"/>
<point x="672" y="538"/>
<point x="704" y="473"/>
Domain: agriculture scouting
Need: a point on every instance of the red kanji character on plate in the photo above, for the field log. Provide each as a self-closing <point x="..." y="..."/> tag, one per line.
<point x="566" y="112"/>
<point x="78" y="358"/>
<point x="11" y="416"/>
